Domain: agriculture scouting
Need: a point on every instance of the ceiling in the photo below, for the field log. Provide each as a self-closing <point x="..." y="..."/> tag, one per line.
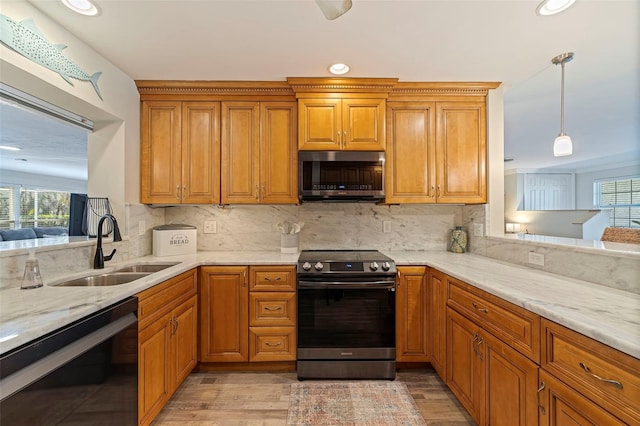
<point x="419" y="40"/>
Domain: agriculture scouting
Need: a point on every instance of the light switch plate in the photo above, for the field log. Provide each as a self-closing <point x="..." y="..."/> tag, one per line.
<point x="142" y="227"/>
<point x="478" y="230"/>
<point x="386" y="226"/>
<point x="210" y="227"/>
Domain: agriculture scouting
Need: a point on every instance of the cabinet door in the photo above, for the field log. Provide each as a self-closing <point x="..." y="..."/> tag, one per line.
<point x="411" y="153"/>
<point x="160" y="152"/>
<point x="200" y="153"/>
<point x="154" y="387"/>
<point x="562" y="406"/>
<point x="240" y="152"/>
<point x="184" y="341"/>
<point x="465" y="375"/>
<point x="363" y="125"/>
<point x="508" y="372"/>
<point x="320" y="124"/>
<point x="412" y="332"/>
<point x="438" y="319"/>
<point x="461" y="152"/>
<point x="278" y="153"/>
<point x="224" y="316"/>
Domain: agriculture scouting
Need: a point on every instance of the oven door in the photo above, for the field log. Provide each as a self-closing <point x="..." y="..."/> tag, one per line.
<point x="341" y="319"/>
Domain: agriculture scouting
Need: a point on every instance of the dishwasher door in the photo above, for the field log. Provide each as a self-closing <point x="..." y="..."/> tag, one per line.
<point x="83" y="373"/>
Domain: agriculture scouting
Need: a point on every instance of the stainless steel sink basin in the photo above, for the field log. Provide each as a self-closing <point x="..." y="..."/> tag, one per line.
<point x="101" y="280"/>
<point x="154" y="267"/>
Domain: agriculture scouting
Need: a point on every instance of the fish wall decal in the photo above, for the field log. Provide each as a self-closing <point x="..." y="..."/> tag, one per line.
<point x="26" y="39"/>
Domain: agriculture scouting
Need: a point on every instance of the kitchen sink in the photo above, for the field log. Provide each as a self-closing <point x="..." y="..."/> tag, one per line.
<point x="102" y="280"/>
<point x="148" y="267"/>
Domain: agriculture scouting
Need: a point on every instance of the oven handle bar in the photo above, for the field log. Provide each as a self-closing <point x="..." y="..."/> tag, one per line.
<point x="347" y="285"/>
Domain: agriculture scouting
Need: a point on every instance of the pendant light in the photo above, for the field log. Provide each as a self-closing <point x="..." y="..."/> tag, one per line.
<point x="562" y="145"/>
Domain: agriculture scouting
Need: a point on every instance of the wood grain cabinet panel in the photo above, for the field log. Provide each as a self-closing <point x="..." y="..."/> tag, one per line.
<point x="224" y="314"/>
<point x="259" y="154"/>
<point x="334" y="124"/>
<point x="511" y="323"/>
<point x="272" y="278"/>
<point x="437" y="283"/>
<point x="167" y="341"/>
<point x="436" y="152"/>
<point x="272" y="344"/>
<point x="412" y="331"/>
<point x="600" y="373"/>
<point x="180" y="152"/>
<point x="562" y="406"/>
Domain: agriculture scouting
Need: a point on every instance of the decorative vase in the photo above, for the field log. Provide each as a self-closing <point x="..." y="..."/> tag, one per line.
<point x="458" y="243"/>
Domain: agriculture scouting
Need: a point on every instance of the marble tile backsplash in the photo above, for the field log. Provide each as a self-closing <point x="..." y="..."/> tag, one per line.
<point x="326" y="226"/>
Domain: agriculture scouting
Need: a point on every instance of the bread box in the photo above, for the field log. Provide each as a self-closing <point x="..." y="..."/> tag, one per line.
<point x="173" y="239"/>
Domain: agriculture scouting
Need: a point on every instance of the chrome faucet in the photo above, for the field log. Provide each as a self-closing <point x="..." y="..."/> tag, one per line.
<point x="99" y="259"/>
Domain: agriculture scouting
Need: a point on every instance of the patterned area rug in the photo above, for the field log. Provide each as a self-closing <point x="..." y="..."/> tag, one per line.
<point x="362" y="403"/>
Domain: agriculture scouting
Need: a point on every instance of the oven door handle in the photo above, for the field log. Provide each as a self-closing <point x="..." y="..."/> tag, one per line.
<point x="346" y="285"/>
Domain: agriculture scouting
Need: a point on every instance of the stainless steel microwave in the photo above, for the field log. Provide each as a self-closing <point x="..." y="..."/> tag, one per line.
<point x="341" y="175"/>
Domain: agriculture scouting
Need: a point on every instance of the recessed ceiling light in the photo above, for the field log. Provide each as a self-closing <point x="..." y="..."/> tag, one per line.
<point x="339" y="69"/>
<point x="9" y="148"/>
<point x="83" y="7"/>
<point x="551" y="7"/>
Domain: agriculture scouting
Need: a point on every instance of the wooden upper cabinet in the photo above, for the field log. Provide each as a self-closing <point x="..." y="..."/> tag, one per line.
<point x="329" y="124"/>
<point x="436" y="152"/>
<point x="278" y="153"/>
<point x="240" y="156"/>
<point x="461" y="149"/>
<point x="200" y="152"/>
<point x="411" y="153"/>
<point x="259" y="155"/>
<point x="180" y="152"/>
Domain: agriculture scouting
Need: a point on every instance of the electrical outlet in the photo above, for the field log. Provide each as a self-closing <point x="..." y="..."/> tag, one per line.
<point x="478" y="230"/>
<point x="536" y="258"/>
<point x="210" y="227"/>
<point x="142" y="227"/>
<point x="386" y="226"/>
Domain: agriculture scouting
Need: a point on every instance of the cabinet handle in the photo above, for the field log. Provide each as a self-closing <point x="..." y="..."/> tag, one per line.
<point x="184" y="190"/>
<point x="273" y="344"/>
<point x="473" y="343"/>
<point x="272" y="308"/>
<point x="178" y="192"/>
<point x="244" y="278"/>
<point x="433" y="191"/>
<point x="257" y="192"/>
<point x="269" y="279"/>
<point x="339" y="140"/>
<point x="481" y="341"/>
<point x="438" y="191"/>
<point x="483" y="310"/>
<point x="174" y="325"/>
<point x="602" y="379"/>
<point x="542" y="386"/>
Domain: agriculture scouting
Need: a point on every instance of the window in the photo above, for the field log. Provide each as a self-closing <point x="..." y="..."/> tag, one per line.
<point x="621" y="197"/>
<point x="34" y="208"/>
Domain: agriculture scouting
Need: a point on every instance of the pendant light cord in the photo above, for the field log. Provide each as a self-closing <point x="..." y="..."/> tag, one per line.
<point x="562" y="100"/>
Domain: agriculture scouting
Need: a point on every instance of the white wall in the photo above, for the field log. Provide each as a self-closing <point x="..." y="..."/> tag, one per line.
<point x="113" y="148"/>
<point x="34" y="180"/>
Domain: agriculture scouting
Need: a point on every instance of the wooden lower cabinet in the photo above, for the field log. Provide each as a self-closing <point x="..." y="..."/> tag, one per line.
<point x="493" y="381"/>
<point x="167" y="342"/>
<point x="412" y="331"/>
<point x="437" y="287"/>
<point x="241" y="326"/>
<point x="224" y="307"/>
<point x="559" y="405"/>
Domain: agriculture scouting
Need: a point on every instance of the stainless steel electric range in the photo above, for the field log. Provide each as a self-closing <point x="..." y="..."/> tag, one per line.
<point x="346" y="315"/>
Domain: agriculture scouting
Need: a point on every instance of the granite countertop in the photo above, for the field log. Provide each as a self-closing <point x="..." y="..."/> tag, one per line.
<point x="605" y="314"/>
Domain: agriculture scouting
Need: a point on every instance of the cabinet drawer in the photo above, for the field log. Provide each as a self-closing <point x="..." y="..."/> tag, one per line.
<point x="272" y="278"/>
<point x="599" y="372"/>
<point x="154" y="301"/>
<point x="514" y="325"/>
<point x="272" y="309"/>
<point x="272" y="343"/>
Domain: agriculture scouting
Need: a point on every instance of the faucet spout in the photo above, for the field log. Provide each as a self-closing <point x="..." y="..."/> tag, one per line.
<point x="100" y="258"/>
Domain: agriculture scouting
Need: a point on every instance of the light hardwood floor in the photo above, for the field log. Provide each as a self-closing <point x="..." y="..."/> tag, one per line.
<point x="262" y="399"/>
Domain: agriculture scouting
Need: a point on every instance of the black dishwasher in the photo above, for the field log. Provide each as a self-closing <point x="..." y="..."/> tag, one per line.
<point x="83" y="373"/>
